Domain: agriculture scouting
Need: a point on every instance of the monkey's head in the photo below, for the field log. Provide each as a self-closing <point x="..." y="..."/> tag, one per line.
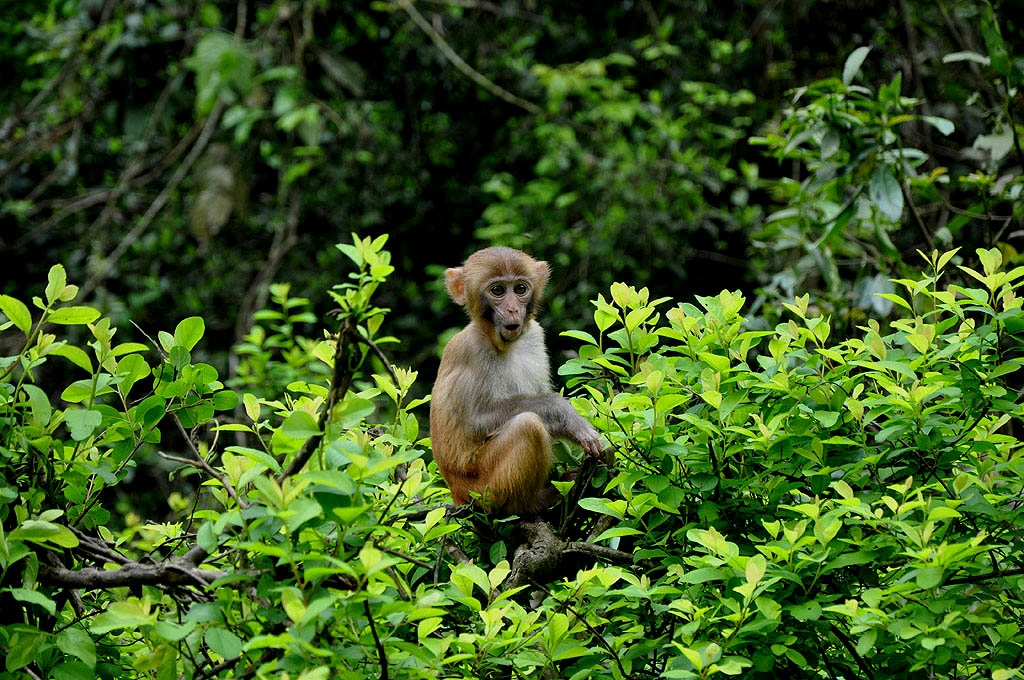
<point x="500" y="288"/>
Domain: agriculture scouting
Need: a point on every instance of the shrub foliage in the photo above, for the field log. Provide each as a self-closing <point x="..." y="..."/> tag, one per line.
<point x="782" y="501"/>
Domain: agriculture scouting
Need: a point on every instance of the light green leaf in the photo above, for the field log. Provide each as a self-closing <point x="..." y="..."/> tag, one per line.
<point x="252" y="406"/>
<point x="929" y="577"/>
<point x="40" y="404"/>
<point x="853" y="64"/>
<point x="943" y="125"/>
<point x="56" y="280"/>
<point x="223" y="642"/>
<point x="75" y="355"/>
<point x="41" y="531"/>
<point x="885" y="192"/>
<point x="15" y="310"/>
<point x="74" y="316"/>
<point x="34" y="597"/>
<point x="129" y="614"/>
<point x="79" y="644"/>
<point x="82" y="422"/>
<point x="300" y="425"/>
<point x="189" y="332"/>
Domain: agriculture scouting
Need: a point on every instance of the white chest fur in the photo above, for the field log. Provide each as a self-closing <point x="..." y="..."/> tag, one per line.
<point x="523" y="369"/>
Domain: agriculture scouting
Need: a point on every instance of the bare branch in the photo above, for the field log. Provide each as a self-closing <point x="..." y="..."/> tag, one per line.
<point x="198" y="458"/>
<point x="165" y="574"/>
<point x="600" y="551"/>
<point x="457" y="61"/>
<point x="382" y="657"/>
<point x="105" y="268"/>
<point x="340" y="383"/>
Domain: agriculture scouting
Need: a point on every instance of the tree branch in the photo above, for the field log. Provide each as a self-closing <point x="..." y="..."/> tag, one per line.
<point x="382" y="656"/>
<point x="176" y="572"/>
<point x="340" y="383"/>
<point x="198" y="458"/>
<point x="103" y="269"/>
<point x="457" y="61"/>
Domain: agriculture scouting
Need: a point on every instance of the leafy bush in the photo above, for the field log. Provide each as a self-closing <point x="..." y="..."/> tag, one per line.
<point x="810" y="506"/>
<point x="783" y="503"/>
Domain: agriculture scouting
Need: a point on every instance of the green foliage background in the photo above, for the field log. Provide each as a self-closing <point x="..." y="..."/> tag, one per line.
<point x="797" y="227"/>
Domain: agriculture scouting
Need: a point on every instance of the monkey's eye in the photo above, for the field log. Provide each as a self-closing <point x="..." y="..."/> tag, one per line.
<point x="497" y="291"/>
<point x="520" y="289"/>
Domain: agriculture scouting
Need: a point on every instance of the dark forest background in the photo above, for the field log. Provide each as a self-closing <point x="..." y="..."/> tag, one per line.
<point x="179" y="157"/>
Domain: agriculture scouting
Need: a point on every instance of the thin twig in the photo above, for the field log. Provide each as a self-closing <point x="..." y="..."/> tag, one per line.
<point x="382" y="657"/>
<point x="861" y="663"/>
<point x="380" y="355"/>
<point x="204" y="465"/>
<point x="340" y="382"/>
<point x="917" y="216"/>
<point x="105" y="268"/>
<point x="598" y="637"/>
<point x="457" y="61"/>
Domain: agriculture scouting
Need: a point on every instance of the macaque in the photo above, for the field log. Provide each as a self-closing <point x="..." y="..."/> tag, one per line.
<point x="492" y="413"/>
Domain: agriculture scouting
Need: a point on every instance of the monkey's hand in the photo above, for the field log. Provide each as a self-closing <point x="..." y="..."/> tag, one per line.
<point x="589" y="439"/>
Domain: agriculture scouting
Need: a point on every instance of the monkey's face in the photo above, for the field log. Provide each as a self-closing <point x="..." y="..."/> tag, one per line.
<point x="508" y="305"/>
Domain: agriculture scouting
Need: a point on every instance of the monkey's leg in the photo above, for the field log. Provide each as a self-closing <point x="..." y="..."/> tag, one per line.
<point x="517" y="460"/>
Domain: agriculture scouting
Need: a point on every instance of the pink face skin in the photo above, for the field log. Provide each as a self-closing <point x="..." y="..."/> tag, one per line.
<point x="510" y="302"/>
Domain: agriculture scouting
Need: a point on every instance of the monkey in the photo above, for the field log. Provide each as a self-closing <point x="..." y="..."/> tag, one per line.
<point x="493" y="413"/>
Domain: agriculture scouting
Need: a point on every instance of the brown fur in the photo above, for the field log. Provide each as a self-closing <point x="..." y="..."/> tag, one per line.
<point x="492" y="413"/>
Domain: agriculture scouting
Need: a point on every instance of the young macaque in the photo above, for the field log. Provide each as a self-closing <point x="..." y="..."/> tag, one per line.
<point x="492" y="413"/>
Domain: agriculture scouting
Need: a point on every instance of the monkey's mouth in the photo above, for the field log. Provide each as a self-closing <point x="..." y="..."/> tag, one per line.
<point x="510" y="331"/>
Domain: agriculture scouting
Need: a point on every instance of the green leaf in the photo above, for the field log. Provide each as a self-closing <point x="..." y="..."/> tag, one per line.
<point x="189" y="332"/>
<point x="808" y="611"/>
<point x="853" y="64"/>
<point x="56" y="280"/>
<point x="131" y="368"/>
<point x="129" y="614"/>
<point x="999" y="56"/>
<point x="79" y="644"/>
<point x="223" y="642"/>
<point x="82" y="422"/>
<point x="929" y="577"/>
<point x="225" y="400"/>
<point x="39" y="403"/>
<point x="173" y="632"/>
<point x="75" y="355"/>
<point x="24" y="651"/>
<point x="34" y="597"/>
<point x="943" y="125"/>
<point x="352" y="411"/>
<point x="17" y="312"/>
<point x="704" y="574"/>
<point x="300" y="425"/>
<point x="42" y="531"/>
<point x="582" y="336"/>
<point x="252" y="406"/>
<point x="73" y="670"/>
<point x="74" y="316"/>
<point x="885" y="192"/>
<point x="257" y="455"/>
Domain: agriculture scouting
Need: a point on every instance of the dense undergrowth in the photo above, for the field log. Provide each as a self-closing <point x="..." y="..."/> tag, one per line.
<point x="783" y="500"/>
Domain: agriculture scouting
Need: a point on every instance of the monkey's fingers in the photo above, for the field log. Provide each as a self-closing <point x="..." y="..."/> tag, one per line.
<point x="593" y="446"/>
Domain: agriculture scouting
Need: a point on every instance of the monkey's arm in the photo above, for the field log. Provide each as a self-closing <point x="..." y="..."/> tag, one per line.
<point x="555" y="412"/>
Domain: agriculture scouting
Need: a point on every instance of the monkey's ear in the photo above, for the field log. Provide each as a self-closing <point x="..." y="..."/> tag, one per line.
<point x="543" y="274"/>
<point x="456" y="283"/>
